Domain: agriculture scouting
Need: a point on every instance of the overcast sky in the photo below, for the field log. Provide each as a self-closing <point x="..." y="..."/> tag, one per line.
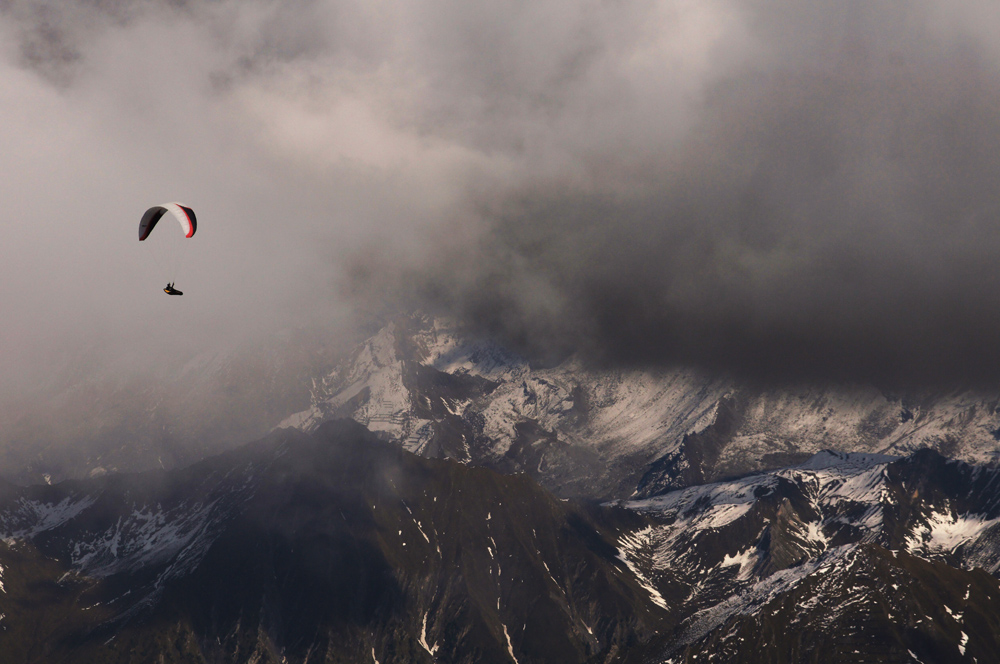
<point x="779" y="188"/>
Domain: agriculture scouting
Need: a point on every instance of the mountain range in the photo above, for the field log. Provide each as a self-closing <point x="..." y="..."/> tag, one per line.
<point x="582" y="431"/>
<point x="331" y="546"/>
<point x="338" y="546"/>
<point x="443" y="499"/>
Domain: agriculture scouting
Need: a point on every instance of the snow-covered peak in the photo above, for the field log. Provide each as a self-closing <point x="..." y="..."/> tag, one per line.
<point x="612" y="432"/>
<point x="442" y="345"/>
<point x="374" y="354"/>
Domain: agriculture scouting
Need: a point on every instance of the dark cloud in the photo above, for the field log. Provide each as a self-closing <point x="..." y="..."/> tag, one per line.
<point x="777" y="188"/>
<point x="828" y="210"/>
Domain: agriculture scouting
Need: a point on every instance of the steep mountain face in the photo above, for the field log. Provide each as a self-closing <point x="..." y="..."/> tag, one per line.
<point x="339" y="546"/>
<point x="584" y="432"/>
<point x="845" y="554"/>
<point x="332" y="546"/>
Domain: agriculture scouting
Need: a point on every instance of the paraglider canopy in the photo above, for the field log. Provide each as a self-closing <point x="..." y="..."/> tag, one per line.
<point x="183" y="214"/>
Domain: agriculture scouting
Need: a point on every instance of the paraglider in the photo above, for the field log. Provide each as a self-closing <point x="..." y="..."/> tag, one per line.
<point x="182" y="213"/>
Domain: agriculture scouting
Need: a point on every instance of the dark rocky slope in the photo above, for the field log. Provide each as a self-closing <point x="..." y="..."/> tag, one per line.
<point x="333" y="546"/>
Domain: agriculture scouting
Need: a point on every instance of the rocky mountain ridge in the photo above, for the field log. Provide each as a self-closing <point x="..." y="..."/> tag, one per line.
<point x="439" y="391"/>
<point x="895" y="559"/>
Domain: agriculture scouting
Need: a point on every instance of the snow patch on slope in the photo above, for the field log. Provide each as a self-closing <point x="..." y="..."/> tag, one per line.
<point x="630" y="547"/>
<point x="510" y="648"/>
<point x="146" y="537"/>
<point x="761" y="592"/>
<point x="31" y="517"/>
<point x="945" y="532"/>
<point x="445" y="349"/>
<point x="431" y="649"/>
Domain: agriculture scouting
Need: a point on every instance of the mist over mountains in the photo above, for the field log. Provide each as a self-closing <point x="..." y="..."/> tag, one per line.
<point x="428" y="526"/>
<point x="762" y="189"/>
<point x="651" y="331"/>
<point x="94" y="418"/>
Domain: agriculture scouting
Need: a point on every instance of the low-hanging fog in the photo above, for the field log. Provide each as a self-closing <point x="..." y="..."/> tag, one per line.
<point x="782" y="190"/>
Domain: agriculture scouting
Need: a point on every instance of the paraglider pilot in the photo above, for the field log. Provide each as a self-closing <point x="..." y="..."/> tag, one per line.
<point x="183" y="214"/>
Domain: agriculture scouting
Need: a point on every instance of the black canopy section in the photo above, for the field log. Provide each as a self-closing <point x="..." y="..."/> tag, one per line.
<point x="149" y="220"/>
